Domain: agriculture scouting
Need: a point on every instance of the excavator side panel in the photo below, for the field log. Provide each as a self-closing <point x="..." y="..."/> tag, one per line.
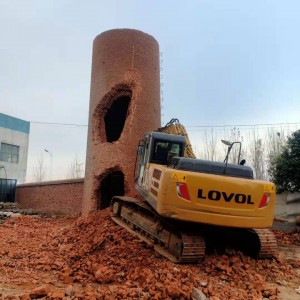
<point x="208" y="198"/>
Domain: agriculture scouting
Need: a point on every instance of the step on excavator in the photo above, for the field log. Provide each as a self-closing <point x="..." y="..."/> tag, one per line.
<point x="188" y="205"/>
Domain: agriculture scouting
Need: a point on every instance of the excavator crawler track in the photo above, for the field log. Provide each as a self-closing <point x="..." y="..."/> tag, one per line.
<point x="268" y="243"/>
<point x="140" y="219"/>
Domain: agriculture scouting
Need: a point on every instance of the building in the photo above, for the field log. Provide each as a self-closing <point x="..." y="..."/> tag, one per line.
<point x="14" y="140"/>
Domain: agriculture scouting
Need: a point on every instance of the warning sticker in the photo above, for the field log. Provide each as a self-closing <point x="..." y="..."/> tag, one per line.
<point x="178" y="177"/>
<point x="268" y="188"/>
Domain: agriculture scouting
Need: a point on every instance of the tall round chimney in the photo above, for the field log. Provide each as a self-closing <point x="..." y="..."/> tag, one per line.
<point x="124" y="103"/>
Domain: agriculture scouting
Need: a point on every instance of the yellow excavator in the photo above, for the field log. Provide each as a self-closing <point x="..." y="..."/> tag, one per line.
<point x="189" y="205"/>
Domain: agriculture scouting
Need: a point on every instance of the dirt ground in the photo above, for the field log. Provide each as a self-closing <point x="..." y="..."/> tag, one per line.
<point x="92" y="258"/>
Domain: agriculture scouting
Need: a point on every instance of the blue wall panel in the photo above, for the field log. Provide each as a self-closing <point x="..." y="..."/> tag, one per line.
<point x="14" y="123"/>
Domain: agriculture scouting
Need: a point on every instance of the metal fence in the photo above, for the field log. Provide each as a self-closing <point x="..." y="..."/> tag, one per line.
<point x="7" y="190"/>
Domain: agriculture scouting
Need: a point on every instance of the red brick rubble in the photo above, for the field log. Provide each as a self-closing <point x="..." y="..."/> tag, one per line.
<point x="93" y="258"/>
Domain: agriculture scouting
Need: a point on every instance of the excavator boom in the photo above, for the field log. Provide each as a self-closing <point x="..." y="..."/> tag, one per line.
<point x="174" y="127"/>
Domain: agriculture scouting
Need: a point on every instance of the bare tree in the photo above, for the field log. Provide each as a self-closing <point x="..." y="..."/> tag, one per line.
<point x="210" y="148"/>
<point x="76" y="169"/>
<point x="275" y="142"/>
<point x="257" y="157"/>
<point x="262" y="150"/>
<point x="259" y="147"/>
<point x="40" y="170"/>
<point x="210" y="145"/>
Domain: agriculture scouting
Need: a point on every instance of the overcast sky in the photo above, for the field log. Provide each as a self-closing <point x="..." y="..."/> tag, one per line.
<point x="224" y="62"/>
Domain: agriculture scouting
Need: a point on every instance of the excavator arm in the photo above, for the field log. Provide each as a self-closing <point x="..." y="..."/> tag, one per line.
<point x="174" y="127"/>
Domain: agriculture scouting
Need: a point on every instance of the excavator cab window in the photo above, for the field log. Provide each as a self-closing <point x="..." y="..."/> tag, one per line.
<point x="162" y="150"/>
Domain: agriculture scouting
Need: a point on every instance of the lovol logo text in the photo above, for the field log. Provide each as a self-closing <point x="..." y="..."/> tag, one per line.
<point x="227" y="197"/>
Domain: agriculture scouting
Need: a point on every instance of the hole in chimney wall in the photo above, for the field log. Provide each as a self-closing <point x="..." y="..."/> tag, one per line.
<point x="111" y="114"/>
<point x="115" y="118"/>
<point x="111" y="183"/>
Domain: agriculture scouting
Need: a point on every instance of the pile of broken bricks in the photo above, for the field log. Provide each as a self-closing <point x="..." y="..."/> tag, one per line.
<point x="93" y="258"/>
<point x="11" y="209"/>
<point x="290" y="237"/>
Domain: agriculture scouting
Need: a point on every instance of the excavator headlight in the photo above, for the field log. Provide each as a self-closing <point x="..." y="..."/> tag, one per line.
<point x="264" y="200"/>
<point x="182" y="191"/>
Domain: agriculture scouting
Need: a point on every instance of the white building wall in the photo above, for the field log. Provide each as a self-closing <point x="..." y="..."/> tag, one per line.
<point x="15" y="170"/>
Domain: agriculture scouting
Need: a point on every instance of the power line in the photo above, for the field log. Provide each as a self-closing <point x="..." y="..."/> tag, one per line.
<point x="188" y="126"/>
<point x="60" y="124"/>
<point x="242" y="125"/>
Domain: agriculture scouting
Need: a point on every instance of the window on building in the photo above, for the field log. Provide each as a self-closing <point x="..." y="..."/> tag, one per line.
<point x="9" y="153"/>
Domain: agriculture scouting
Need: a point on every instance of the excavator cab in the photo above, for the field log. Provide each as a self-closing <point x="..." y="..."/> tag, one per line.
<point x="157" y="148"/>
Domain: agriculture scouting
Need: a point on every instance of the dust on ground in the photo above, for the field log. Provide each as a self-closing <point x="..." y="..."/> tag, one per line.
<point x="93" y="258"/>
